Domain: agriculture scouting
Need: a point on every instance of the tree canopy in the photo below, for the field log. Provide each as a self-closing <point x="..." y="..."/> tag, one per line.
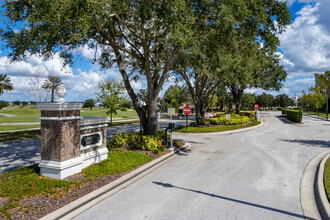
<point x="149" y="38"/>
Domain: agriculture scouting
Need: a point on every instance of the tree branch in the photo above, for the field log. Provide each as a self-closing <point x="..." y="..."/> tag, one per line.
<point x="126" y="25"/>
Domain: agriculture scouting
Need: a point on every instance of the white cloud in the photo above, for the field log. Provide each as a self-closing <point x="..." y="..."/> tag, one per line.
<point x="80" y="86"/>
<point x="306" y="46"/>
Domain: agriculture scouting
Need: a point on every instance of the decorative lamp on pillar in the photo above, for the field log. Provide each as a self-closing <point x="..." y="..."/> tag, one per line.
<point x="60" y="92"/>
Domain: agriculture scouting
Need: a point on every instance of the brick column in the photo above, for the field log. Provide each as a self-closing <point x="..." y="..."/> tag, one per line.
<point x="60" y="139"/>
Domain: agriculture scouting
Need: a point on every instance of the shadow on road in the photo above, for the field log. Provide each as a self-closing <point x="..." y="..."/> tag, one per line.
<point x="315" y="143"/>
<point x="17" y="154"/>
<point x="168" y="185"/>
<point x="284" y="120"/>
<point x="183" y="152"/>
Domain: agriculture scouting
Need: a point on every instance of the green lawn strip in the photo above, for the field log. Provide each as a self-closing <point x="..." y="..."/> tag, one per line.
<point x="122" y="123"/>
<point x="327" y="178"/>
<point x="17" y="127"/>
<point x="118" y="161"/>
<point x="214" y="129"/>
<point x="97" y="111"/>
<point x="11" y="136"/>
<point x="27" y="182"/>
<point x="321" y="114"/>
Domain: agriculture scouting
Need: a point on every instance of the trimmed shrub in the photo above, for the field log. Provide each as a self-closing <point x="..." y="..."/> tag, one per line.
<point x="284" y="111"/>
<point x="234" y="120"/>
<point x="118" y="140"/>
<point x="294" y="115"/>
<point x="149" y="143"/>
<point x="248" y="114"/>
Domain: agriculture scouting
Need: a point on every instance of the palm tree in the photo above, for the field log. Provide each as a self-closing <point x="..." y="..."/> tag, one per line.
<point x="5" y="83"/>
<point x="52" y="83"/>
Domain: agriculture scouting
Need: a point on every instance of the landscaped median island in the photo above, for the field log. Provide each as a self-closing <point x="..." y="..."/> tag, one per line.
<point x="222" y="122"/>
<point x="26" y="194"/>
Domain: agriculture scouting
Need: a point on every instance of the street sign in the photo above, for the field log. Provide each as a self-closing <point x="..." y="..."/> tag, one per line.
<point x="171" y="111"/>
<point x="186" y="110"/>
<point x="256" y="106"/>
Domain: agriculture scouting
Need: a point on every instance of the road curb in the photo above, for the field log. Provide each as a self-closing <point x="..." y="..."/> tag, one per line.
<point x="307" y="190"/>
<point x="28" y="129"/>
<point x="228" y="132"/>
<point x="82" y="204"/>
<point x="320" y="193"/>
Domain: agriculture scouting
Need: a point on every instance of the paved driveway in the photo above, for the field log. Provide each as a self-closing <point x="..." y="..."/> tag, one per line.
<point x="248" y="175"/>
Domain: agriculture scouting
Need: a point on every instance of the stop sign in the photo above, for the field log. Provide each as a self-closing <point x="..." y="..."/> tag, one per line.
<point x="186" y="110"/>
<point x="256" y="106"/>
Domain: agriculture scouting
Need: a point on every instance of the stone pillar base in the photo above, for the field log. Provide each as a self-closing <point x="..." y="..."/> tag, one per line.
<point x="61" y="170"/>
<point x="94" y="156"/>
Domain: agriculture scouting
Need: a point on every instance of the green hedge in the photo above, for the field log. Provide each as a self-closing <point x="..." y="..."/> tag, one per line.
<point x="293" y="115"/>
<point x="284" y="111"/>
<point x="234" y="120"/>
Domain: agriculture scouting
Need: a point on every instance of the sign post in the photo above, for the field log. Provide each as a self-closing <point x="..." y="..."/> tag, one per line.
<point x="257" y="114"/>
<point x="187" y="111"/>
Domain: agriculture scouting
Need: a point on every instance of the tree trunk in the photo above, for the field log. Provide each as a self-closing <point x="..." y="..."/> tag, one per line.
<point x="53" y="95"/>
<point x="237" y="97"/>
<point x="150" y="127"/>
<point x="200" y="113"/>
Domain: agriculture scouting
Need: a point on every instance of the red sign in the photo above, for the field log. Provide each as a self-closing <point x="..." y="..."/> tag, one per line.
<point x="186" y="110"/>
<point x="256" y="106"/>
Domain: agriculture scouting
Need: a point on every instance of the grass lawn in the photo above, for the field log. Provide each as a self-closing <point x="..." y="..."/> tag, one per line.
<point x="214" y="129"/>
<point x="17" y="127"/>
<point x="327" y="178"/>
<point x="321" y="114"/>
<point x="27" y="183"/>
<point x="10" y="136"/>
<point x="28" y="113"/>
<point x="97" y="111"/>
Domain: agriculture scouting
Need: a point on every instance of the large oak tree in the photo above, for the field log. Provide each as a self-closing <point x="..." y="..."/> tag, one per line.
<point x="140" y="37"/>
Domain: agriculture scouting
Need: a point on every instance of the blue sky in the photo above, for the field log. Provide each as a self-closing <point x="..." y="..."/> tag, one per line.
<point x="305" y="47"/>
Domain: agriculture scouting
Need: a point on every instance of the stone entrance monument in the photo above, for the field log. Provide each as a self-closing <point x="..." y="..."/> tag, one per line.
<point x="69" y="142"/>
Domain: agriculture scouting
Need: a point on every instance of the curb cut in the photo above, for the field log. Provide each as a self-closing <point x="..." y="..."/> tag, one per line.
<point x="307" y="184"/>
<point x="230" y="131"/>
<point x="78" y="206"/>
<point x="320" y="193"/>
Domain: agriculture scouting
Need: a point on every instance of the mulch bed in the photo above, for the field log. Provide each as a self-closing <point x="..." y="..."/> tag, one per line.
<point x="38" y="206"/>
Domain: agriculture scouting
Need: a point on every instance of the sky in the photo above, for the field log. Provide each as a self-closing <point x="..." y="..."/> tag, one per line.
<point x="305" y="50"/>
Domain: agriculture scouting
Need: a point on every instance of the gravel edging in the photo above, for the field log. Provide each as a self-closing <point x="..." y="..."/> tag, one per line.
<point x="80" y="205"/>
<point x="307" y="187"/>
<point x="320" y="193"/>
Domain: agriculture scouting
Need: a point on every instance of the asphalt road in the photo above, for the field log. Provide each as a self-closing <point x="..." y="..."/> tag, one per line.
<point x="248" y="175"/>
